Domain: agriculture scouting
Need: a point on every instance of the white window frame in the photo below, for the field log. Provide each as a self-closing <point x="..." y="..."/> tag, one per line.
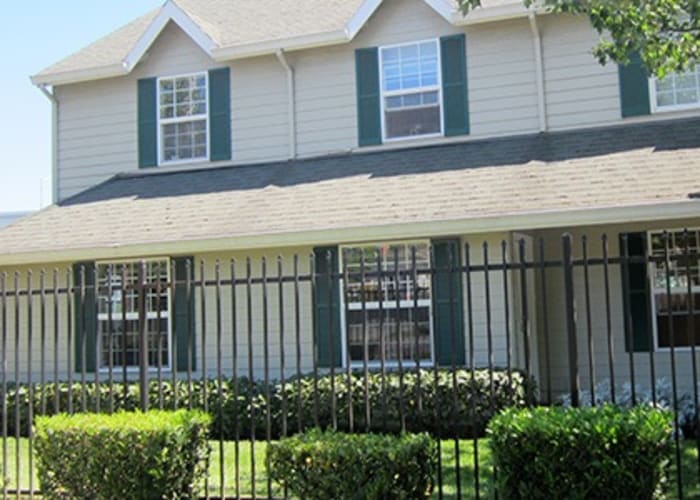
<point x="383" y="94"/>
<point x="134" y="316"/>
<point x="386" y="305"/>
<point x="654" y="291"/>
<point x="655" y="108"/>
<point x="183" y="119"/>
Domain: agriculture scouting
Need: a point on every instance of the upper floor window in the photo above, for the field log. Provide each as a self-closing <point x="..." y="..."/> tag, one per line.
<point x="182" y="115"/>
<point x="411" y="88"/>
<point x="676" y="91"/>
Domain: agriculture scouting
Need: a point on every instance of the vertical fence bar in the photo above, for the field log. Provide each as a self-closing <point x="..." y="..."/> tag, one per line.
<point x="672" y="337"/>
<point x="71" y="287"/>
<point x="629" y="332"/>
<point x="365" y="349"/>
<point x="283" y="354"/>
<point x="416" y="329"/>
<point x="172" y="290"/>
<point x="42" y="339"/>
<point x="56" y="305"/>
<point x="650" y="344"/>
<point x="236" y="387"/>
<point x="297" y="337"/>
<point x="203" y="333"/>
<point x="608" y="315"/>
<point x="18" y="400"/>
<point x="219" y="378"/>
<point x="316" y="340"/>
<point x="489" y="322"/>
<point x="348" y="360"/>
<point x="330" y="271"/>
<point x="454" y="271"/>
<point x="251" y="373"/>
<point x="589" y="327"/>
<point x="189" y="293"/>
<point x="545" y="319"/>
<point x="266" y="362"/>
<point x="399" y="337"/>
<point x="143" y="336"/>
<point x="568" y="262"/>
<point x="83" y="338"/>
<point x="693" y="339"/>
<point x="94" y="305"/>
<point x="506" y="312"/>
<point x="472" y="366"/>
<point x="157" y="273"/>
<point x="3" y="333"/>
<point x="382" y="336"/>
<point x="125" y="328"/>
<point x="110" y="334"/>
<point x="30" y="383"/>
<point x="436" y="387"/>
<point x="525" y="316"/>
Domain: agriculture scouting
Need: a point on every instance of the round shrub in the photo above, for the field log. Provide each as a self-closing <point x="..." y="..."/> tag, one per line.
<point x="318" y="465"/>
<point x="580" y="453"/>
<point x="156" y="454"/>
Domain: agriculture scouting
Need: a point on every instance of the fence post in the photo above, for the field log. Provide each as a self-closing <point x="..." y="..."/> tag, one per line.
<point x="569" y="297"/>
<point x="141" y="296"/>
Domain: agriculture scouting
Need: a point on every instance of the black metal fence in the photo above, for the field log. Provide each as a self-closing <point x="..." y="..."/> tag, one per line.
<point x="358" y="338"/>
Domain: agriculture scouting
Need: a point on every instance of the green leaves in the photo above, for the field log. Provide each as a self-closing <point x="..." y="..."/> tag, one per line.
<point x="321" y="465"/>
<point x="666" y="33"/>
<point x="126" y="455"/>
<point x="603" y="452"/>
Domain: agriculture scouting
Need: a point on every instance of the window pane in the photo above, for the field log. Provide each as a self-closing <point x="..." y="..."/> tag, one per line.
<point x="675" y="89"/>
<point x="416" y="121"/>
<point x="179" y="139"/>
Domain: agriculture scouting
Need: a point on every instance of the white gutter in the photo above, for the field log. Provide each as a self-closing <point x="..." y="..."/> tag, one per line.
<point x="563" y="219"/>
<point x="291" y="99"/>
<point x="539" y="71"/>
<point x="51" y="96"/>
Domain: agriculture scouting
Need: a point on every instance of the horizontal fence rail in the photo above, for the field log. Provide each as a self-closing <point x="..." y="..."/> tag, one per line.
<point x="430" y="337"/>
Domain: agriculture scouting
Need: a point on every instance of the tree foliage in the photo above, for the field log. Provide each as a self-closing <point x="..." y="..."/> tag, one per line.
<point x="666" y="33"/>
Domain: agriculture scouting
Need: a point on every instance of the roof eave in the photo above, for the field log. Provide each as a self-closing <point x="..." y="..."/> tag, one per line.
<point x="650" y="212"/>
<point x="82" y="75"/>
<point x="267" y="47"/>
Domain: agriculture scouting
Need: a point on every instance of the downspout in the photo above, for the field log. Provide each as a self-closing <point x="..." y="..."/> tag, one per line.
<point x="51" y="96"/>
<point x="291" y="99"/>
<point x="539" y="70"/>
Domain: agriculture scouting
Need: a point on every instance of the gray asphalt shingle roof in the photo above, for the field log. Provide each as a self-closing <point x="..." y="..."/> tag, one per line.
<point x="609" y="167"/>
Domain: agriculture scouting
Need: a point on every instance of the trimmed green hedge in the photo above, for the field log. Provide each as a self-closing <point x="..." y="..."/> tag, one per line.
<point x="580" y="453"/>
<point x="323" y="464"/>
<point x="156" y="454"/>
<point x="443" y="409"/>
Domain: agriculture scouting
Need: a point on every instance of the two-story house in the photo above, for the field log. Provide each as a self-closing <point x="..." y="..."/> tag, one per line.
<point x="356" y="131"/>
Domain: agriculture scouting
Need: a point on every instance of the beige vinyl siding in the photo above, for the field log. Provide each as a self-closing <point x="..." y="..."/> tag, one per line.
<point x="557" y="320"/>
<point x="579" y="91"/>
<point x="97" y="129"/>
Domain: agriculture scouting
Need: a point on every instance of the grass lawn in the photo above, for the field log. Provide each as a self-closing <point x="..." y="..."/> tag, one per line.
<point x="242" y="484"/>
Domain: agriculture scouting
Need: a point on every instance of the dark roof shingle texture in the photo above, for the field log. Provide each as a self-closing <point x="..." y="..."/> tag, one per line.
<point x="609" y="167"/>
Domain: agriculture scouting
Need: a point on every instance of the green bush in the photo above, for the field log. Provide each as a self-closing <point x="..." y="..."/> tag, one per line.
<point x="578" y="453"/>
<point x="156" y="454"/>
<point x="323" y="464"/>
<point x="445" y="409"/>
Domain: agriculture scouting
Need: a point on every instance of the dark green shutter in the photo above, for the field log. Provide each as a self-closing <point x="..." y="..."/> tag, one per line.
<point x="454" y="85"/>
<point x="448" y="316"/>
<point x="85" y="315"/>
<point x="183" y="326"/>
<point x="369" y="119"/>
<point x="634" y="88"/>
<point x="636" y="297"/>
<point x="220" y="114"/>
<point x="148" y="123"/>
<point x="327" y="307"/>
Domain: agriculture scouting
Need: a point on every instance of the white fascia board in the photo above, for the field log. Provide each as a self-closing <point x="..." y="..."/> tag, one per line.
<point x="363" y="14"/>
<point x="81" y="75"/>
<point x="169" y="12"/>
<point x="504" y="12"/>
<point x="286" y="44"/>
<point x="564" y="220"/>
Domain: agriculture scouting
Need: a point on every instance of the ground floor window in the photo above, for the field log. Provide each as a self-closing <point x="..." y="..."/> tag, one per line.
<point x="678" y="310"/>
<point x="388" y="302"/>
<point x="118" y="313"/>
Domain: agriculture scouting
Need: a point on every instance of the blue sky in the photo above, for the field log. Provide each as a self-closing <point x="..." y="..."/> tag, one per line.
<point x="35" y="35"/>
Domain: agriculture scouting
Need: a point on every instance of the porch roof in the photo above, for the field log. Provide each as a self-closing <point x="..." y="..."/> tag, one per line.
<point x="614" y="174"/>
